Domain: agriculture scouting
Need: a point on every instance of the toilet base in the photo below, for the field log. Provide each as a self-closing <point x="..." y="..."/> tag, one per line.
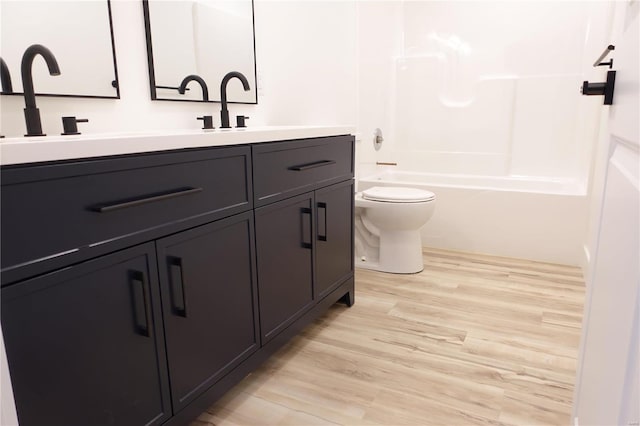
<point x="400" y="253"/>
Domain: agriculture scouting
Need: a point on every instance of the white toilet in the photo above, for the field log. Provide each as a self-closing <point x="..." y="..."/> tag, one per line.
<point x="387" y="228"/>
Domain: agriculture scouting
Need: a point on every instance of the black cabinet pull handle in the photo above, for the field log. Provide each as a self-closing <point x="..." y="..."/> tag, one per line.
<point x="141" y="300"/>
<point x="132" y="202"/>
<point x="303" y="167"/>
<point x="306" y="211"/>
<point x="323" y="236"/>
<point x="178" y="295"/>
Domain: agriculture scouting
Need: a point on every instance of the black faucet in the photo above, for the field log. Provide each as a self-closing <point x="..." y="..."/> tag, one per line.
<point x="224" y="113"/>
<point x="31" y="112"/>
<point x="5" y="77"/>
<point x="193" y="77"/>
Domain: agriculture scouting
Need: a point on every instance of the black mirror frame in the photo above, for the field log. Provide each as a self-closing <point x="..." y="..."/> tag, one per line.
<point x="152" y="79"/>
<point x="114" y="83"/>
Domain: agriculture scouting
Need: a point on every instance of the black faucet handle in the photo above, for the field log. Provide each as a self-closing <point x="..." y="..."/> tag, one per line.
<point x="240" y="120"/>
<point x="207" y="122"/>
<point x="70" y="126"/>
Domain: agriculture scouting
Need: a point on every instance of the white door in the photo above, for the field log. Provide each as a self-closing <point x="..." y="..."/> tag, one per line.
<point x="608" y="372"/>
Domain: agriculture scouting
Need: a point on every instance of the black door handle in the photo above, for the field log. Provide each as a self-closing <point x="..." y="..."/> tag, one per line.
<point x="323" y="236"/>
<point x="304" y="212"/>
<point x="177" y="284"/>
<point x="141" y="300"/>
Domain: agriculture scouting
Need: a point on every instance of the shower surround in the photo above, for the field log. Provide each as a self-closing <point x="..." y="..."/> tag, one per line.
<point x="484" y="97"/>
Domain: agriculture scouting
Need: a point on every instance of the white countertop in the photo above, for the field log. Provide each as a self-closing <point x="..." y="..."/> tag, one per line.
<point x="50" y="148"/>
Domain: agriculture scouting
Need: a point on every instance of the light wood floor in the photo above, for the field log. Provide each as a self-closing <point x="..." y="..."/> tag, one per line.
<point x="472" y="339"/>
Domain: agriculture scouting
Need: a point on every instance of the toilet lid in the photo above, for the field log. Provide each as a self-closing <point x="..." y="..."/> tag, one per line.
<point x="396" y="194"/>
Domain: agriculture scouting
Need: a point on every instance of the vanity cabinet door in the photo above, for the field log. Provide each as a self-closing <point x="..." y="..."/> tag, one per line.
<point x="85" y="343"/>
<point x="207" y="276"/>
<point x="284" y="241"/>
<point x="334" y="236"/>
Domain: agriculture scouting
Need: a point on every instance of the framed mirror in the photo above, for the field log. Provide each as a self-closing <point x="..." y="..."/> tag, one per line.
<point x="79" y="33"/>
<point x="206" y="38"/>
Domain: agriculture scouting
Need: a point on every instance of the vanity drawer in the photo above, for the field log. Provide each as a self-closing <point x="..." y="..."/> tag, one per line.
<point x="285" y="169"/>
<point x="65" y="210"/>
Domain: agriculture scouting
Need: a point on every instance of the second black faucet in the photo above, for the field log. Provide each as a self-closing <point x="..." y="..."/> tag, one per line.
<point x="224" y="112"/>
<point x="31" y="112"/>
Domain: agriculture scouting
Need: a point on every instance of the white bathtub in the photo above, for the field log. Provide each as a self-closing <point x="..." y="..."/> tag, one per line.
<point x="532" y="218"/>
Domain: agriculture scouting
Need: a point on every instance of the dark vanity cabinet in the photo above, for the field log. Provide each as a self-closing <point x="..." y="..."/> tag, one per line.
<point x="298" y="263"/>
<point x="334" y="240"/>
<point x="138" y="289"/>
<point x="208" y="282"/>
<point x="85" y="343"/>
<point x="285" y="262"/>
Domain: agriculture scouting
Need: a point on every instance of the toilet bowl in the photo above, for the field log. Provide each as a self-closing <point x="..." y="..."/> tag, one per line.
<point x="387" y="228"/>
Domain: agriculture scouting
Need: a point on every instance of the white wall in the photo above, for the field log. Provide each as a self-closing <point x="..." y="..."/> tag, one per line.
<point x="306" y="75"/>
<point x="306" y="55"/>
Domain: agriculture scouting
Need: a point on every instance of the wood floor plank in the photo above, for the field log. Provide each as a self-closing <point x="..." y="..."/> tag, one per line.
<point x="473" y="339"/>
<point x="503" y="262"/>
<point x="521" y="408"/>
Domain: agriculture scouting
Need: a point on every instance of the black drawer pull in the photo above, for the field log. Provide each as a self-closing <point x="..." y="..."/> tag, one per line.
<point x="140" y="300"/>
<point x="313" y="165"/>
<point x="132" y="202"/>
